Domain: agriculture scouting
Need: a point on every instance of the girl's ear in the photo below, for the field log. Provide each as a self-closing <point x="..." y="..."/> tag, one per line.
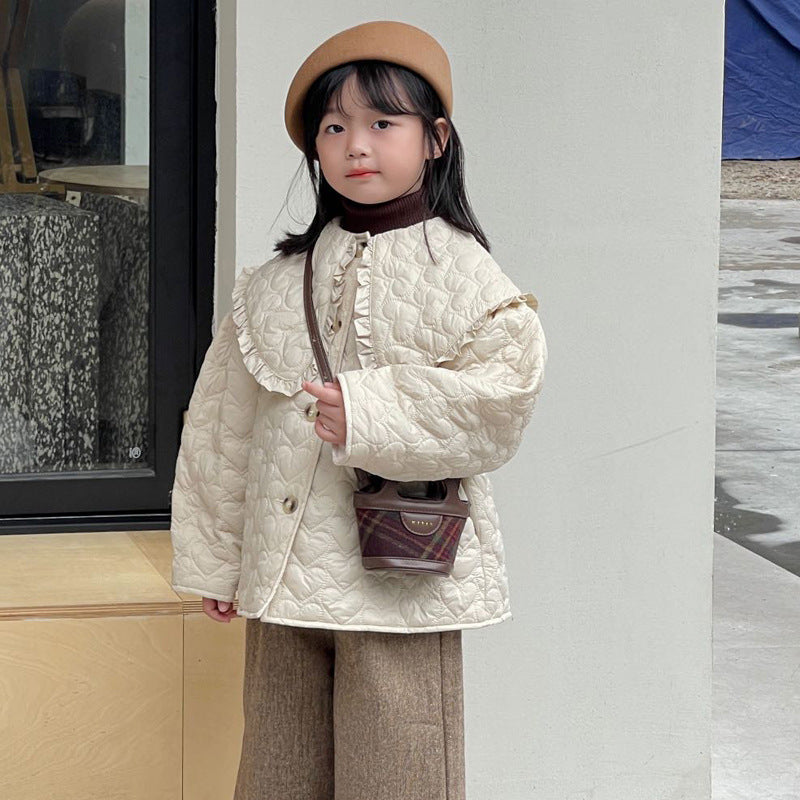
<point x="443" y="129"/>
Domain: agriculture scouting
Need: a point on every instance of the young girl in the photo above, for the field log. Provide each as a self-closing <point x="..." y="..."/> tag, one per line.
<point x="353" y="677"/>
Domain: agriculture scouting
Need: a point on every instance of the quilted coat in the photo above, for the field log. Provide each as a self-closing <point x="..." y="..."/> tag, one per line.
<point x="440" y="365"/>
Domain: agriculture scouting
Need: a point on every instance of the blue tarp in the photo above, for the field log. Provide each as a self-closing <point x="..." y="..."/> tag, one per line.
<point x="761" y="98"/>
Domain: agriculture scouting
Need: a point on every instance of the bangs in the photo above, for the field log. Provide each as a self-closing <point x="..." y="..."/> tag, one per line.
<point x="376" y="86"/>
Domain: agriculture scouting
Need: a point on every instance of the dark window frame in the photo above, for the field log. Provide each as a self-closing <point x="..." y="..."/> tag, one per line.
<point x="183" y="181"/>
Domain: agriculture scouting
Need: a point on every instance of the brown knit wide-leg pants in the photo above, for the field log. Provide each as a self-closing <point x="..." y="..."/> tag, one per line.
<point x="351" y="715"/>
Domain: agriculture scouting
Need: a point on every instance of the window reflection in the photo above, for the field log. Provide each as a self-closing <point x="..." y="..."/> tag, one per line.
<point x="74" y="235"/>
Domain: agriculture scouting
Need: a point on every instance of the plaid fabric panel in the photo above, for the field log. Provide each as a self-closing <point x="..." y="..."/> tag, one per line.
<point x="382" y="533"/>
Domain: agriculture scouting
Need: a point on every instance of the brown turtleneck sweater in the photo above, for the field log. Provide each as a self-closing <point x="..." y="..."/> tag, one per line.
<point x="400" y="212"/>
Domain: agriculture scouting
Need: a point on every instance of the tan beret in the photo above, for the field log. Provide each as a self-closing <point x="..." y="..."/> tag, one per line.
<point x="385" y="40"/>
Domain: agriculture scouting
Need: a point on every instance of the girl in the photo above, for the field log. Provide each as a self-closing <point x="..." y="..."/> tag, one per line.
<point x="353" y="677"/>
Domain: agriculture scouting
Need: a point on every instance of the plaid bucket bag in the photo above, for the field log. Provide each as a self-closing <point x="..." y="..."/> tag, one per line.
<point x="406" y="526"/>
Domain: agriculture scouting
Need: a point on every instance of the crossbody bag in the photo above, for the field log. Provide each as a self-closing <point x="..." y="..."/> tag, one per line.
<point x="399" y="529"/>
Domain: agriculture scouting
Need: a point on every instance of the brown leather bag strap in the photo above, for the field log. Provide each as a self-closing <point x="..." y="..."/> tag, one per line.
<point x="311" y="320"/>
<point x="316" y="342"/>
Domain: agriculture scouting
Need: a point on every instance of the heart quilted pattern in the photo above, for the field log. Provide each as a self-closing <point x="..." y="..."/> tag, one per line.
<point x="440" y="366"/>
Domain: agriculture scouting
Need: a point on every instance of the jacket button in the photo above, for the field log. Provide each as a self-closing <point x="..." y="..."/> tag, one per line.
<point x="289" y="504"/>
<point x="337" y="324"/>
<point x="312" y="412"/>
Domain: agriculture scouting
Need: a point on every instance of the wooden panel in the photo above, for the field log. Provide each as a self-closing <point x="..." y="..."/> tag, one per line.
<point x="90" y="709"/>
<point x="157" y="548"/>
<point x="213" y="683"/>
<point x="213" y="721"/>
<point x="107" y="691"/>
<point x="80" y="574"/>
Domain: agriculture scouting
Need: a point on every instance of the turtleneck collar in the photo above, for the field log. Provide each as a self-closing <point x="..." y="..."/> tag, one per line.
<point x="399" y="212"/>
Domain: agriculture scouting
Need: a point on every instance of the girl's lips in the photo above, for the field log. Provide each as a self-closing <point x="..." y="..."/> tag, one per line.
<point x="362" y="175"/>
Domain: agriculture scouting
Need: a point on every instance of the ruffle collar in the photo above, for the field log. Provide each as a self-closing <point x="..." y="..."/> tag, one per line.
<point x="406" y="309"/>
<point x="269" y="315"/>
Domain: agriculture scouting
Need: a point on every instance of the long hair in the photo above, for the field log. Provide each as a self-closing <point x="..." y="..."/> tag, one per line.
<point x="443" y="177"/>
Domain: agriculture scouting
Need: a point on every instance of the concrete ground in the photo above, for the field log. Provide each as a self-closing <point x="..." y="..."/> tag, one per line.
<point x="756" y="704"/>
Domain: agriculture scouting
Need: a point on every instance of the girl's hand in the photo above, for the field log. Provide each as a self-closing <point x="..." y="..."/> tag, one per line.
<point x="219" y="610"/>
<point x="330" y="425"/>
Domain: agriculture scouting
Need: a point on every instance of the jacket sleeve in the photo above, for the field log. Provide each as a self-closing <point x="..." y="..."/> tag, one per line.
<point x="461" y="417"/>
<point x="211" y="472"/>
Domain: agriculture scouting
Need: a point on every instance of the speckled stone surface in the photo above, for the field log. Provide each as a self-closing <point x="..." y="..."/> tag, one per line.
<point x="49" y="335"/>
<point x="123" y="319"/>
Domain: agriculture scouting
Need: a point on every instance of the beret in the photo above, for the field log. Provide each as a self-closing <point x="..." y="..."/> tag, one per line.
<point x="384" y="40"/>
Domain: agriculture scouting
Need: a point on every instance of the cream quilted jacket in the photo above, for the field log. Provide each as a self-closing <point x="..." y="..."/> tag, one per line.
<point x="440" y="366"/>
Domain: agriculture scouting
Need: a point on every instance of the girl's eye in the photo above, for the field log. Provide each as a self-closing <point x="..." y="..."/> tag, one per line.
<point x="334" y="125"/>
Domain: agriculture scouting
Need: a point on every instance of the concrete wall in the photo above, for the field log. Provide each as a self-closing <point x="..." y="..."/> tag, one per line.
<point x="592" y="135"/>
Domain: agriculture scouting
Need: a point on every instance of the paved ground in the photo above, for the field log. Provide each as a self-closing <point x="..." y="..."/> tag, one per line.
<point x="756" y="719"/>
<point x="758" y="379"/>
<point x="756" y="703"/>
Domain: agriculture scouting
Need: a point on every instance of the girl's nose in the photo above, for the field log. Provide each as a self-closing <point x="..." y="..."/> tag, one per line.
<point x="356" y="148"/>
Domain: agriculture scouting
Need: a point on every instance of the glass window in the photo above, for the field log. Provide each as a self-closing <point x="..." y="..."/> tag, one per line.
<point x="102" y="322"/>
<point x="75" y="236"/>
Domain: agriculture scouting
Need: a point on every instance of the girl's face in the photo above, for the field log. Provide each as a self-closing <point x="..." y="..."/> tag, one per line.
<point x="390" y="146"/>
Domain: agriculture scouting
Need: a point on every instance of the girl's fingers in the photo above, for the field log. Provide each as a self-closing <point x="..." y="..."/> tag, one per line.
<point x="333" y="422"/>
<point x="212" y="608"/>
<point x="330" y="417"/>
<point x="329" y="393"/>
<point x="328" y="436"/>
<point x="326" y="427"/>
<point x="326" y="407"/>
